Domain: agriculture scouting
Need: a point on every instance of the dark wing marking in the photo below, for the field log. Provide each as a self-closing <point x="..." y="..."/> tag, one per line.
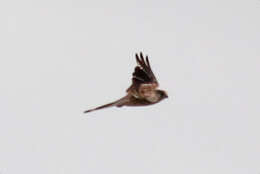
<point x="144" y="65"/>
<point x="143" y="74"/>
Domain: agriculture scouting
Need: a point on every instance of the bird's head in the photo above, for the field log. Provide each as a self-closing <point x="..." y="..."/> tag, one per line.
<point x="163" y="94"/>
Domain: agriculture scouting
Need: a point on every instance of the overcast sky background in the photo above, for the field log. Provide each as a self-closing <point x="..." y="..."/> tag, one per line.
<point x="61" y="57"/>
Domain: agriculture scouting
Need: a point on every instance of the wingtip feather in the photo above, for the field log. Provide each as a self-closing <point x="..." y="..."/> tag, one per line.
<point x="87" y="111"/>
<point x="147" y="61"/>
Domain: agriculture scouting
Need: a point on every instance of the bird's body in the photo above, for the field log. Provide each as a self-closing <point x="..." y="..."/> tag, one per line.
<point x="143" y="91"/>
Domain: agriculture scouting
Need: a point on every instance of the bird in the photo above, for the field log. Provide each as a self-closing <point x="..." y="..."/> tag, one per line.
<point x="143" y="90"/>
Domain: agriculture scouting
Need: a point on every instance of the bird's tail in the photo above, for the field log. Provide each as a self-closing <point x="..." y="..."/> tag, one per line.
<point x="118" y="103"/>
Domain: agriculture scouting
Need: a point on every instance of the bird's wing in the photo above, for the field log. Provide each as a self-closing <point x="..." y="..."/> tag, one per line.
<point x="144" y="81"/>
<point x="119" y="103"/>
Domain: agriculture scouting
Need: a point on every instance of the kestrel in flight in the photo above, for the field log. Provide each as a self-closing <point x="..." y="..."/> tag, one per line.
<point x="143" y="90"/>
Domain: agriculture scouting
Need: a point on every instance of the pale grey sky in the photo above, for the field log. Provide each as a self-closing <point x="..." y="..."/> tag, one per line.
<point x="59" y="58"/>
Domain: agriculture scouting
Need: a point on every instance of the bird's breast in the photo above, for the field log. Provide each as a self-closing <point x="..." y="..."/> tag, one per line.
<point x="153" y="98"/>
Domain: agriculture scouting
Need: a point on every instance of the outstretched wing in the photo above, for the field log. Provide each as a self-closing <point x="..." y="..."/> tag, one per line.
<point x="143" y="81"/>
<point x="119" y="103"/>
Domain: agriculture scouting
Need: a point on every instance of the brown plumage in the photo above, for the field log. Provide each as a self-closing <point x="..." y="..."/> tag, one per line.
<point x="143" y="90"/>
